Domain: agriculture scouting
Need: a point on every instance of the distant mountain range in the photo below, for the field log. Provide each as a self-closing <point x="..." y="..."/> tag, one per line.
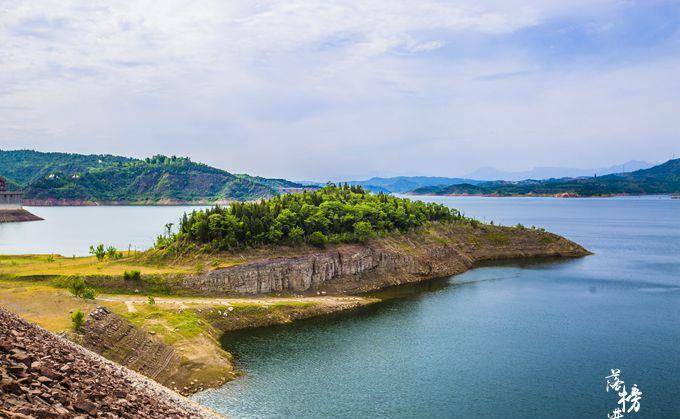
<point x="661" y="179"/>
<point x="401" y="184"/>
<point x="490" y="173"/>
<point x="65" y="178"/>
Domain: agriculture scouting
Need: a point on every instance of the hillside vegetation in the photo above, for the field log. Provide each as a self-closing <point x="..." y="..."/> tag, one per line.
<point x="336" y="214"/>
<point x="661" y="179"/>
<point x="105" y="178"/>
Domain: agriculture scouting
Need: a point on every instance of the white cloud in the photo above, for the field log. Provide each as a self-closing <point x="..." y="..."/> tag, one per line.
<point x="275" y="87"/>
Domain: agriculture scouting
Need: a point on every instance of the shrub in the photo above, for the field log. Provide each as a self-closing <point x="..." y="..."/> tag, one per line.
<point x="318" y="239"/>
<point x="89" y="294"/>
<point x="78" y="320"/>
<point x="151" y="300"/>
<point x="498" y="239"/>
<point x="199" y="268"/>
<point x="545" y="239"/>
<point x="112" y="253"/>
<point x="77" y="287"/>
<point x="132" y="275"/>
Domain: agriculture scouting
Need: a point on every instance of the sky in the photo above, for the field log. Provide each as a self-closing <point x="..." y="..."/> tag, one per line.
<point x="323" y="89"/>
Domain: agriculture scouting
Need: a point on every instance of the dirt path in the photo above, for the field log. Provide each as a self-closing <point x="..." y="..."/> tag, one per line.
<point x="130" y="306"/>
<point x="181" y="302"/>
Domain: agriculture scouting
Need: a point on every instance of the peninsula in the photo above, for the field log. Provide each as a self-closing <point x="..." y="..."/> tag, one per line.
<point x="163" y="312"/>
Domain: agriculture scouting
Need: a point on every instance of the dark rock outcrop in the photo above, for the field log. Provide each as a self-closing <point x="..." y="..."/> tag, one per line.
<point x="44" y="375"/>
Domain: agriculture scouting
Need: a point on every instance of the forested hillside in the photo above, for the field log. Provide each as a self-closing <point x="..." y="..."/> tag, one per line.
<point x="661" y="179"/>
<point x="76" y="178"/>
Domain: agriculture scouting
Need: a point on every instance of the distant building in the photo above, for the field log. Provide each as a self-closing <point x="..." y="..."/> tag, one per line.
<point x="9" y="200"/>
<point x="11" y="210"/>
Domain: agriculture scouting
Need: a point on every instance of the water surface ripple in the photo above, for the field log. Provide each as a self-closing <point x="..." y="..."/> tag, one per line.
<point x="518" y="340"/>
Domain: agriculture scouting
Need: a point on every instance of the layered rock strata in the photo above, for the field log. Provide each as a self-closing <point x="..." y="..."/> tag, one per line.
<point x="444" y="251"/>
<point x="119" y="340"/>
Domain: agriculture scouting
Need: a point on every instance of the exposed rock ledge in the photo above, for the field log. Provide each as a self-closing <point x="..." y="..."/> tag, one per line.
<point x="17" y="215"/>
<point x="119" y="340"/>
<point x="44" y="375"/>
<point x="438" y="251"/>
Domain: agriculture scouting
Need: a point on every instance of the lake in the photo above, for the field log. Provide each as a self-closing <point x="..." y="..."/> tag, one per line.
<point x="514" y="340"/>
<point x="519" y="340"/>
<point x="71" y="230"/>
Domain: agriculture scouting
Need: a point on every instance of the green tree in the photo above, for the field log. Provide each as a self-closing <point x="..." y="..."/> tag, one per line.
<point x="333" y="214"/>
<point x="89" y="294"/>
<point x="99" y="251"/>
<point x="132" y="275"/>
<point x="363" y="230"/>
<point x="318" y="239"/>
<point x="296" y="235"/>
<point x="275" y="235"/>
<point x="78" y="320"/>
<point x="112" y="253"/>
<point x="77" y="286"/>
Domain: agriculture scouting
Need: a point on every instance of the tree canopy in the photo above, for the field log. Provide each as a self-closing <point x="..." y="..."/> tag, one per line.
<point x="335" y="214"/>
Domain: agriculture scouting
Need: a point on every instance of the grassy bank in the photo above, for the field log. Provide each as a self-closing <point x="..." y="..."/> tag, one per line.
<point x="191" y="325"/>
<point x="43" y="265"/>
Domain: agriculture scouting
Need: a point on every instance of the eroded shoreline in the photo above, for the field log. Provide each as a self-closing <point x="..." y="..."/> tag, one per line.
<point x="176" y="338"/>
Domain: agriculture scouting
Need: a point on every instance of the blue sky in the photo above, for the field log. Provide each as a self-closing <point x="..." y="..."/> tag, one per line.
<point x="345" y="89"/>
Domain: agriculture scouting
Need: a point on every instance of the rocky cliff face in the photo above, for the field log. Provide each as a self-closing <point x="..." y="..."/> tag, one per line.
<point x="431" y="253"/>
<point x="119" y="340"/>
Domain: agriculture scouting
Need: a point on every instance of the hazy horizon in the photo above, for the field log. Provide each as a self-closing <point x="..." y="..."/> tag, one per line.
<point x="346" y="90"/>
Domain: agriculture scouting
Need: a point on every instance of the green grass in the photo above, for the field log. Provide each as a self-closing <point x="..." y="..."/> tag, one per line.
<point x="546" y="239"/>
<point x="57" y="265"/>
<point x="497" y="238"/>
<point x="170" y="324"/>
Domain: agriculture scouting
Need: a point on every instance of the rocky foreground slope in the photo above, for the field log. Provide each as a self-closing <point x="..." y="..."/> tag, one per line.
<point x="44" y="375"/>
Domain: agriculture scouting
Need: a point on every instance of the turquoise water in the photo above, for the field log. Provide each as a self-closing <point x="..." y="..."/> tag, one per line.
<point x="71" y="230"/>
<point x="518" y="340"/>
